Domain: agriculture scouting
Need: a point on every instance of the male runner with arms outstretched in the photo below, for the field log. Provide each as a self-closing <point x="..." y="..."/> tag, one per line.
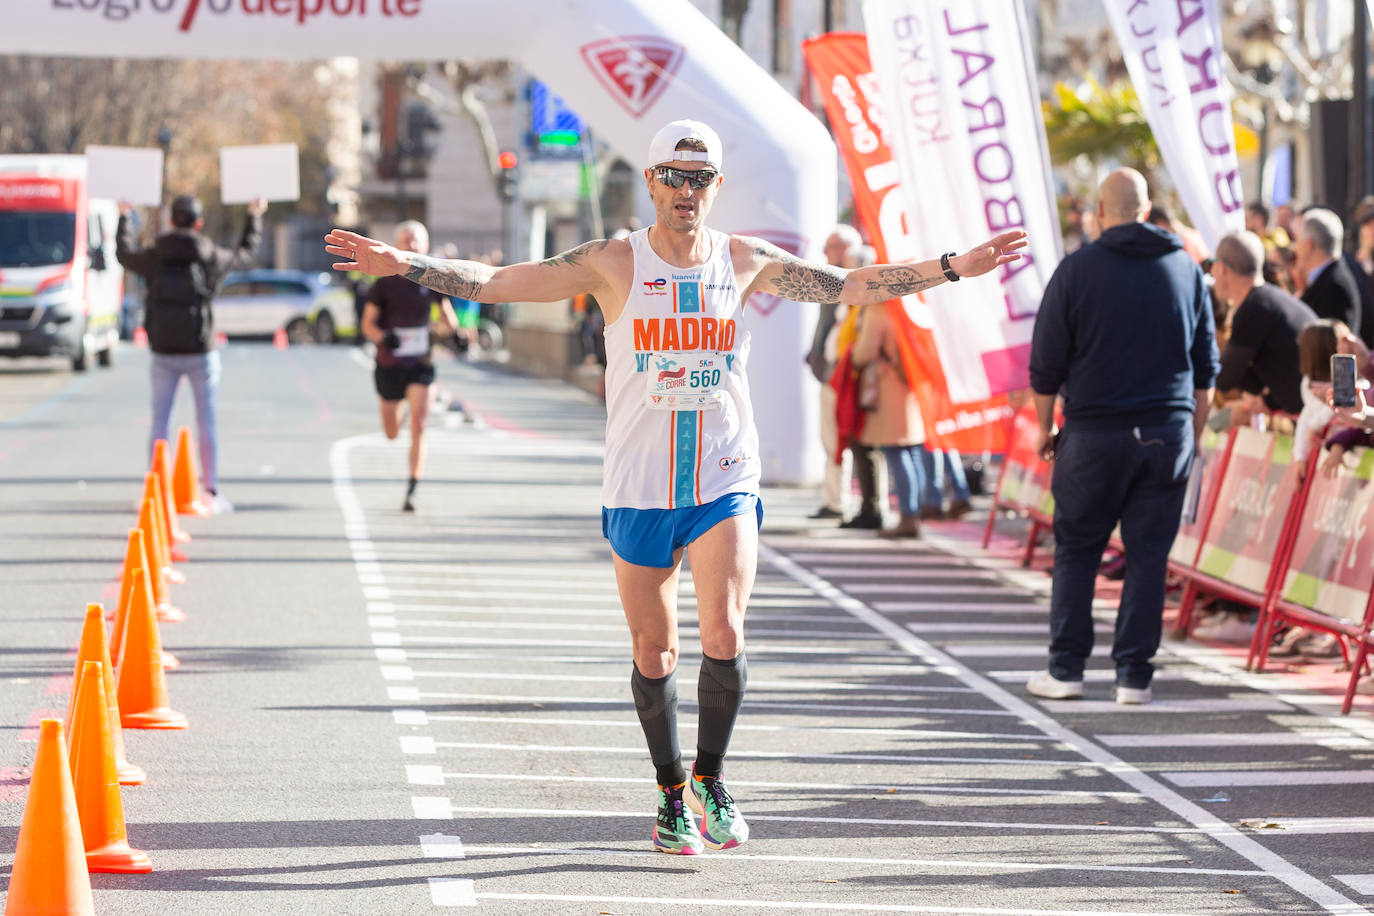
<point x="682" y="465"/>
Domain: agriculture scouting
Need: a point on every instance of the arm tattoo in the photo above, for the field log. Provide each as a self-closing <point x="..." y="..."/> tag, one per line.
<point x="901" y="280"/>
<point x="802" y="281"/>
<point x="453" y="278"/>
<point x="574" y="256"/>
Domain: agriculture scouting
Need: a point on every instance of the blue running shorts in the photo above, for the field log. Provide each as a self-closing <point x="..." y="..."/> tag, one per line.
<point x="650" y="537"/>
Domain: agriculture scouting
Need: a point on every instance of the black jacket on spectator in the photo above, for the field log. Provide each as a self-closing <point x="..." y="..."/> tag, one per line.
<point x="1125" y="328"/>
<point x="1262" y="353"/>
<point x="1365" y="284"/>
<point x="1335" y="294"/>
<point x="183" y="245"/>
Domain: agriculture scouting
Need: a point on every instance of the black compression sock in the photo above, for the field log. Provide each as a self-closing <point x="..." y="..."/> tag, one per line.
<point x="656" y="704"/>
<point x="720" y="691"/>
<point x="410" y="487"/>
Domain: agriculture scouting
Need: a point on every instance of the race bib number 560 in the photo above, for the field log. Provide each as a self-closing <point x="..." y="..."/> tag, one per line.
<point x="685" y="381"/>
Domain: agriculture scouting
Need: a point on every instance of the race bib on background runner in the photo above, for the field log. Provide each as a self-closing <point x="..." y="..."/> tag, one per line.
<point x="684" y="381"/>
<point x="414" y="341"/>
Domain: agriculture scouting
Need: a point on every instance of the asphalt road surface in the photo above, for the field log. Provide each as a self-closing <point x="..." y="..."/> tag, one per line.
<point x="397" y="713"/>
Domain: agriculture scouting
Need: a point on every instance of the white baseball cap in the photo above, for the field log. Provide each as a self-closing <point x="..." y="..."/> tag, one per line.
<point x="663" y="147"/>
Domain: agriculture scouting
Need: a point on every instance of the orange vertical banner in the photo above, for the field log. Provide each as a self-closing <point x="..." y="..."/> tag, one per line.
<point x="839" y="61"/>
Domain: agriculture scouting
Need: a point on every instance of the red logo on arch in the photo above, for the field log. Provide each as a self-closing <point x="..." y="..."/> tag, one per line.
<point x="635" y="69"/>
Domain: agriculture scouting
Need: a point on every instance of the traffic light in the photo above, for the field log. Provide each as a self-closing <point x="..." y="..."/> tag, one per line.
<point x="507" y="174"/>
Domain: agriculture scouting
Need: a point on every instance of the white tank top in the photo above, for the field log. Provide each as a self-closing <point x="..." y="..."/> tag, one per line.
<point x="679" y="425"/>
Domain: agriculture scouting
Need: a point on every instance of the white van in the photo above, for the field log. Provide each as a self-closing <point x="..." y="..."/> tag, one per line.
<point x="60" y="285"/>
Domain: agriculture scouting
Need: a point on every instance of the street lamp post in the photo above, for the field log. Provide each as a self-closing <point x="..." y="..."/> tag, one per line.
<point x="164" y="140"/>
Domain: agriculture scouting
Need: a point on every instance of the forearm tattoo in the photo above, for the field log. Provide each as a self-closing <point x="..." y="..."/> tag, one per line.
<point x="803" y="281"/>
<point x="463" y="279"/>
<point x="895" y="280"/>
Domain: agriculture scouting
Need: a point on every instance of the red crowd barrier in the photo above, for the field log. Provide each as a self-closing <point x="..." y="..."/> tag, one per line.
<point x="1024" y="484"/>
<point x="1301" y="551"/>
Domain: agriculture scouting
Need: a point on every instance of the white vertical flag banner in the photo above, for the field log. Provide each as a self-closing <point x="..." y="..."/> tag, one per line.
<point x="963" y="119"/>
<point x="1174" y="55"/>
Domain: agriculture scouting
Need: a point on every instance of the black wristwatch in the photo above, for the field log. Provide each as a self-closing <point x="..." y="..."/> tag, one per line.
<point x="950" y="275"/>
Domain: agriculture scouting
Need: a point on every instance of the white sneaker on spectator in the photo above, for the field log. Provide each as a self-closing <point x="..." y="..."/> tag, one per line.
<point x="1229" y="628"/>
<point x="1044" y="684"/>
<point x="1133" y="696"/>
<point x="219" y="505"/>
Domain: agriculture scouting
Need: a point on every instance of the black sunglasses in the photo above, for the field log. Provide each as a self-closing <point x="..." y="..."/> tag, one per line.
<point x="674" y="178"/>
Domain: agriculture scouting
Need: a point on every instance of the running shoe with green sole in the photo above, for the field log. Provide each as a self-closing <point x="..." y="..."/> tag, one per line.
<point x="722" y="826"/>
<point x="675" y="831"/>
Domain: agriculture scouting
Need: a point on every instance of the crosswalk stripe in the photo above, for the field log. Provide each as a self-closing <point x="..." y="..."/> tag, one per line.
<point x="1294" y="777"/>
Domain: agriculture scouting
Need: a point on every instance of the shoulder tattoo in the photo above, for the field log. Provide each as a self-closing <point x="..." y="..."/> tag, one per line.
<point x="802" y="281"/>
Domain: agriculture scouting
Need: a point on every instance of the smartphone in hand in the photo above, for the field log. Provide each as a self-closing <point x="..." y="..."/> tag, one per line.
<point x="1343" y="392"/>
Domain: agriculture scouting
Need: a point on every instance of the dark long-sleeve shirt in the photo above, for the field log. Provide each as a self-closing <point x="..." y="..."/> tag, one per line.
<point x="1125" y="330"/>
<point x="188" y="244"/>
<point x="1262" y="352"/>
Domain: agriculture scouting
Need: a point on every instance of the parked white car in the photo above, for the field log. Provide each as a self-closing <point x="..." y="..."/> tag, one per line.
<point x="308" y="306"/>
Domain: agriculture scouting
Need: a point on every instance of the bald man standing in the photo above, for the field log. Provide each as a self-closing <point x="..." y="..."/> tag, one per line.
<point x="1125" y="333"/>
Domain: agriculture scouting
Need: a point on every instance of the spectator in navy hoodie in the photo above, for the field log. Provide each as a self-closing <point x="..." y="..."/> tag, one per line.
<point x="1125" y="333"/>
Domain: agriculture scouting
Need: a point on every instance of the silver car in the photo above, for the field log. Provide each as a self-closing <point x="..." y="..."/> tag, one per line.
<point x="308" y="306"/>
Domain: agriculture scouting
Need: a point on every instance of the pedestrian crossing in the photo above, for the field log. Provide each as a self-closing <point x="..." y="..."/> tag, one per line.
<point x="882" y="710"/>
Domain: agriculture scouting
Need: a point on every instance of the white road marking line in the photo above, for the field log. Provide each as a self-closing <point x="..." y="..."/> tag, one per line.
<point x="1329" y="738"/>
<point x="381" y="622"/>
<point x="417" y="744"/>
<point x="684" y="629"/>
<point x="397" y="673"/>
<point x="424" y="775"/>
<point x="385" y="638"/>
<point x="453" y="892"/>
<point x="441" y="846"/>
<point x="691" y="722"/>
<point x="753" y="705"/>
<point x="972" y="864"/>
<point x="751" y="755"/>
<point x="925" y="626"/>
<point x="955" y="607"/>
<point x="755" y="648"/>
<point x="507" y="595"/>
<point x="900" y="573"/>
<point x="857" y="558"/>
<point x="1360" y="884"/>
<point x="432" y="807"/>
<point x="404" y="694"/>
<point x="391" y="655"/>
<point x="1272" y="863"/>
<point x="1166" y="706"/>
<point x="1011" y="650"/>
<point x="1311" y="825"/>
<point x="668" y="904"/>
<point x="803" y="787"/>
<point x="564" y="813"/>
<point x="799" y="684"/>
<point x="410" y="717"/>
<point x="1295" y="777"/>
<point x="883" y="588"/>
<point x="615" y="613"/>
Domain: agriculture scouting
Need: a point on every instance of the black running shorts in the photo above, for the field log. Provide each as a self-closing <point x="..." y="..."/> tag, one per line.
<point x="392" y="381"/>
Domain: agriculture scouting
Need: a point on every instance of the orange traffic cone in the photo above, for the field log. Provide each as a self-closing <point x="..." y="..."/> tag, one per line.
<point x="121" y="615"/>
<point x="186" y="478"/>
<point x="96" y="648"/>
<point x="96" y="783"/>
<point x="141" y="684"/>
<point x="280" y="340"/>
<point x="162" y="466"/>
<point x="156" y="568"/>
<point x="136" y="561"/>
<point x="152" y="490"/>
<point x="49" y="873"/>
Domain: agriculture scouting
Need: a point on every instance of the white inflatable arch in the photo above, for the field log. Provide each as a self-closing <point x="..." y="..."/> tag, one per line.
<point x="626" y="66"/>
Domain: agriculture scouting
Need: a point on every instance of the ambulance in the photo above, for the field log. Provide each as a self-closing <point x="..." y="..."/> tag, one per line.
<point x="60" y="286"/>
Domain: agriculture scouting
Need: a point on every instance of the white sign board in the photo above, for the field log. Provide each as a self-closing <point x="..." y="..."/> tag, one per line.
<point x="124" y="173"/>
<point x="272" y="172"/>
